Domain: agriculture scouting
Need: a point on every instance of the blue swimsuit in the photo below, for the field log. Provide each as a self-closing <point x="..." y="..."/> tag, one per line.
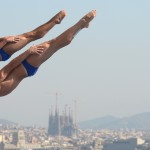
<point x="31" y="70"/>
<point x="4" y="55"/>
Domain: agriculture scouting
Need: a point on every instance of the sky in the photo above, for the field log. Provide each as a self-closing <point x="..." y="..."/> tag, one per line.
<point x="105" y="70"/>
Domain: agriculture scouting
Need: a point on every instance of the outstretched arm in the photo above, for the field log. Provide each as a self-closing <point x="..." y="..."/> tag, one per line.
<point x="8" y="39"/>
<point x="4" y="72"/>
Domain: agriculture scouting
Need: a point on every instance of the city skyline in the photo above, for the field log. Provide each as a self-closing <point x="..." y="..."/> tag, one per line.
<point x="18" y="137"/>
<point x="105" y="69"/>
<point x="134" y="121"/>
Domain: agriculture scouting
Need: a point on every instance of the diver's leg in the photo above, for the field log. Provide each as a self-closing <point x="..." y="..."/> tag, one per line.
<point x="37" y="33"/>
<point x="66" y="37"/>
<point x="12" y="81"/>
<point x="50" y="47"/>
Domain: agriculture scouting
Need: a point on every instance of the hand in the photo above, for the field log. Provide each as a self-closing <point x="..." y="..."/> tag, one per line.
<point x="14" y="39"/>
<point x="36" y="50"/>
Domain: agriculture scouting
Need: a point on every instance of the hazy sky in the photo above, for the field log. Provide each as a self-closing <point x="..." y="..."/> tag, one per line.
<point x="106" y="69"/>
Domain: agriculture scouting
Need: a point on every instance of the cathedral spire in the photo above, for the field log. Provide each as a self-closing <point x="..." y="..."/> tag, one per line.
<point x="56" y="107"/>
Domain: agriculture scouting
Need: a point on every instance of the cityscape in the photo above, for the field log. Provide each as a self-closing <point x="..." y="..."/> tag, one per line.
<point x="100" y="72"/>
<point x="64" y="133"/>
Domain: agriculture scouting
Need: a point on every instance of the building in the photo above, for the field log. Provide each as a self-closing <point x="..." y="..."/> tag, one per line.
<point x="61" y="125"/>
<point x="18" y="138"/>
<point x="1" y="146"/>
<point x="129" y="144"/>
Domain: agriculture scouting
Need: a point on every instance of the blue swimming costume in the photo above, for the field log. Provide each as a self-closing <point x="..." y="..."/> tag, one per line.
<point x="31" y="70"/>
<point x="4" y="55"/>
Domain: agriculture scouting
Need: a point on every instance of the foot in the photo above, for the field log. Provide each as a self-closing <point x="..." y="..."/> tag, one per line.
<point x="87" y="18"/>
<point x="59" y="17"/>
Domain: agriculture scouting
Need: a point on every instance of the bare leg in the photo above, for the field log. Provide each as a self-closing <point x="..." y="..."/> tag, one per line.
<point x="19" y="73"/>
<point x="61" y="41"/>
<point x="12" y="81"/>
<point x="14" y="72"/>
<point x="39" y="32"/>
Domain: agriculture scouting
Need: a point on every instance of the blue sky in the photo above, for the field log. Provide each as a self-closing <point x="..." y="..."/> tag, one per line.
<point x="106" y="67"/>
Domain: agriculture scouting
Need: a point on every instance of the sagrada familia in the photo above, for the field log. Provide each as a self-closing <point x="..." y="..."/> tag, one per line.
<point x="61" y="125"/>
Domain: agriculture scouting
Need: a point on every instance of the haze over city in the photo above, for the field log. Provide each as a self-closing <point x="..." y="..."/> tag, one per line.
<point x="105" y="69"/>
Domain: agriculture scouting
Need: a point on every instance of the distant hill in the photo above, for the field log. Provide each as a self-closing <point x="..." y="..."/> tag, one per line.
<point x="6" y="122"/>
<point x="138" y="121"/>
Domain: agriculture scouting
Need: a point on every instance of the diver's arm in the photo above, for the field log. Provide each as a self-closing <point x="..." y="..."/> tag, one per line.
<point x="8" y="39"/>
